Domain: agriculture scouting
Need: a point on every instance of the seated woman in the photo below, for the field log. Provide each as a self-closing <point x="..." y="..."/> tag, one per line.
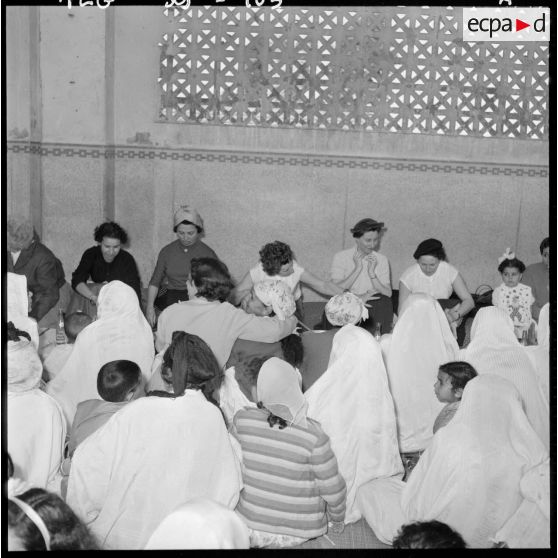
<point x="291" y="482"/>
<point x="40" y="520"/>
<point x="200" y="524"/>
<point x="36" y="427"/>
<point x="469" y="477"/>
<point x="28" y="256"/>
<point x="157" y="453"/>
<point x="432" y="275"/>
<point x="352" y="402"/>
<point x="101" y="264"/>
<point x="18" y="306"/>
<point x="364" y="271"/>
<point x="120" y="332"/>
<point x="421" y="341"/>
<point x="168" y="282"/>
<point x="494" y="349"/>
<point x="277" y="262"/>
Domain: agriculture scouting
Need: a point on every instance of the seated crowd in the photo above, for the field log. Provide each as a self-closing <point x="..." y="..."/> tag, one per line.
<point x="208" y="415"/>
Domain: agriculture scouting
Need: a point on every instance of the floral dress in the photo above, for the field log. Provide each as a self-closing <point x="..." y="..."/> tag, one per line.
<point x="516" y="301"/>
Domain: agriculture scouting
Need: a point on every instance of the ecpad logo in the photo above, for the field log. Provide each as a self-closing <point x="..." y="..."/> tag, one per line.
<point x="506" y="24"/>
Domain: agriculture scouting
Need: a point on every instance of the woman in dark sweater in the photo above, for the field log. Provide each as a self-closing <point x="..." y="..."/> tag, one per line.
<point x="106" y="262"/>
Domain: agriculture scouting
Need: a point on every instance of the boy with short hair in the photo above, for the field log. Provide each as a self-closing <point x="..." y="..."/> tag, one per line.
<point x="452" y="379"/>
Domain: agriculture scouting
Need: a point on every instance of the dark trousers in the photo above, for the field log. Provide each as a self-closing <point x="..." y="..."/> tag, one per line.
<point x="170" y="296"/>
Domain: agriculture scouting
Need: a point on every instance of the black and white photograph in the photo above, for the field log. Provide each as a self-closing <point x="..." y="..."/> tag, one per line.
<point x="278" y="276"/>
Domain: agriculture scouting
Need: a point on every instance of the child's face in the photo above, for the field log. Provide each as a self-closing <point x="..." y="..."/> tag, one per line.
<point x="444" y="390"/>
<point x="511" y="276"/>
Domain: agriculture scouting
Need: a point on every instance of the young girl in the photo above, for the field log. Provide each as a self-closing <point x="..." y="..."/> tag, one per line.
<point x="512" y="296"/>
<point x="452" y="379"/>
<point x="291" y="479"/>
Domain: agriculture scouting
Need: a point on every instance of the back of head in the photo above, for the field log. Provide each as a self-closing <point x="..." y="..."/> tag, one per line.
<point x="74" y="323"/>
<point x="117" y="379"/>
<point x="428" y="534"/>
<point x="293" y="350"/>
<point x="211" y="278"/>
<point x="544" y="244"/>
<point x="40" y="520"/>
<point x="20" y="233"/>
<point x="345" y="308"/>
<point x="189" y="363"/>
<point x="200" y="524"/>
<point x="117" y="299"/>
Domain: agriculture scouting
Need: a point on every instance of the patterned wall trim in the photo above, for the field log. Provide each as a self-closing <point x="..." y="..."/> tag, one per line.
<point x="267" y="158"/>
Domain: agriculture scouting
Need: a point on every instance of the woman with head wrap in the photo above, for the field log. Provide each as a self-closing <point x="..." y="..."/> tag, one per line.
<point x="469" y="477"/>
<point x="200" y="524"/>
<point x="45" y="275"/>
<point x="291" y="481"/>
<point x="157" y="453"/>
<point x="173" y="263"/>
<point x="540" y="353"/>
<point x="494" y="349"/>
<point x="18" y="305"/>
<point x="352" y="402"/>
<point x="432" y="275"/>
<point x="36" y="425"/>
<point x="119" y="333"/>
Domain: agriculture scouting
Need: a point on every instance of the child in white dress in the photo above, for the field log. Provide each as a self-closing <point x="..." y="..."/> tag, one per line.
<point x="512" y="296"/>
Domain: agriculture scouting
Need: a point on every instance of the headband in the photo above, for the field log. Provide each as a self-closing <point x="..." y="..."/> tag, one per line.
<point x="34" y="517"/>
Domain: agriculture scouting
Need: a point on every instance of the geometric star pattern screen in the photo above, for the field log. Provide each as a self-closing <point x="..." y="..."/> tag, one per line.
<point x="382" y="69"/>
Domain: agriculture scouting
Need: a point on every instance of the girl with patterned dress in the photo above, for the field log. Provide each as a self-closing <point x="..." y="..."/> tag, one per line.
<point x="512" y="296"/>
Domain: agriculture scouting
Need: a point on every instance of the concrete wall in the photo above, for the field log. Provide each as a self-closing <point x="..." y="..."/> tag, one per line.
<point x="98" y="90"/>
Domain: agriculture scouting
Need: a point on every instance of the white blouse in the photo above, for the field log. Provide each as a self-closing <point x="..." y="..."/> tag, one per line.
<point x="438" y="285"/>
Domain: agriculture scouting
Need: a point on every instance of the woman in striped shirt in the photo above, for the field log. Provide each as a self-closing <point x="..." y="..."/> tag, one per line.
<point x="291" y="480"/>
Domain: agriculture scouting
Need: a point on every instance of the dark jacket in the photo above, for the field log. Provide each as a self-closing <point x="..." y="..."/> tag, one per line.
<point x="44" y="274"/>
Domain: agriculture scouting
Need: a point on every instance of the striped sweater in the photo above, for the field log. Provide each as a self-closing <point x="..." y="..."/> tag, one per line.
<point x="289" y="476"/>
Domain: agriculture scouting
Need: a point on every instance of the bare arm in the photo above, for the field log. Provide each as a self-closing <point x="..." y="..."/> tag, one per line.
<point x="242" y="289"/>
<point x="152" y="291"/>
<point x="347" y="282"/>
<point x="466" y="304"/>
<point x="323" y="287"/>
<point x="375" y="280"/>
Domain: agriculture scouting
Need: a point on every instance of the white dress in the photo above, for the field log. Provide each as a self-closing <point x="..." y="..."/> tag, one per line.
<point x="258" y="274"/>
<point x="516" y="301"/>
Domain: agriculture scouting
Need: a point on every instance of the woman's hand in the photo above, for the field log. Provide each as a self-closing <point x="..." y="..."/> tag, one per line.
<point x="358" y="259"/>
<point x="372" y="263"/>
<point x="150" y="316"/>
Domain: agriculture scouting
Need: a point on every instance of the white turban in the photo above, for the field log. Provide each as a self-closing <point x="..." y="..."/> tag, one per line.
<point x="346" y="308"/>
<point x="278" y="295"/>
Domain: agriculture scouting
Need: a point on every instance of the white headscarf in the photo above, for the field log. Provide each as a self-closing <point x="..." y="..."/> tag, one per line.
<point x="469" y="476"/>
<point x="120" y="332"/>
<point x="540" y="354"/>
<point x="352" y="402"/>
<point x="279" y="389"/>
<point x="18" y="305"/>
<point x="421" y="341"/>
<point x="345" y="308"/>
<point x="24" y="366"/>
<point x="278" y="295"/>
<point x="494" y="349"/>
<point x="200" y="524"/>
<point x="529" y="526"/>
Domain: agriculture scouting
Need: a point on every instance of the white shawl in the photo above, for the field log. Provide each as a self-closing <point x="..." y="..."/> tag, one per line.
<point x="351" y="400"/>
<point x="200" y="524"/>
<point x="152" y="456"/>
<point x="469" y="476"/>
<point x="18" y="305"/>
<point x="421" y="341"/>
<point x="494" y="349"/>
<point x="120" y="332"/>
<point x="540" y="353"/>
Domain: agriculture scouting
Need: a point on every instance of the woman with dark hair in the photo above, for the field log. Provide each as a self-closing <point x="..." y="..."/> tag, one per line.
<point x="209" y="315"/>
<point x="432" y="275"/>
<point x="168" y="282"/>
<point x="102" y="264"/>
<point x="277" y="261"/>
<point x="40" y="520"/>
<point x="157" y="453"/>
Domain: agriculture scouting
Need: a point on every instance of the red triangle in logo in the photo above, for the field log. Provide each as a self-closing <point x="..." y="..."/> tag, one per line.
<point x="519" y="25"/>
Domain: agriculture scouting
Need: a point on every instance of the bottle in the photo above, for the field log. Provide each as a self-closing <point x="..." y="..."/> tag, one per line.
<point x="378" y="332"/>
<point x="524" y="338"/>
<point x="60" y="334"/>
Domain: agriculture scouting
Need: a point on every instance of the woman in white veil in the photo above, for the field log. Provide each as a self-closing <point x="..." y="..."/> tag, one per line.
<point x="120" y="332"/>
